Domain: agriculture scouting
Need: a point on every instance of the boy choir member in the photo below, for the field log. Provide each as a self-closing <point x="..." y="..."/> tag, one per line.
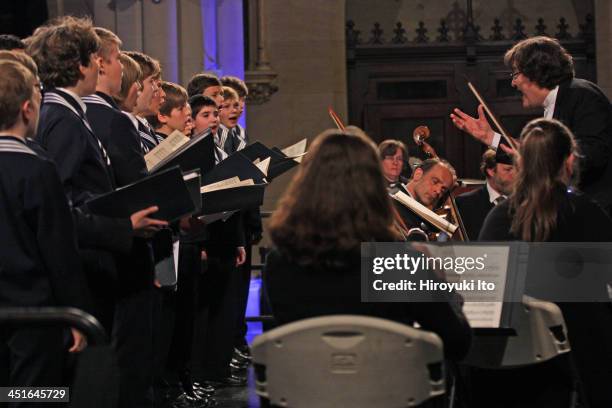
<point x="251" y="222"/>
<point x="207" y="85"/>
<point x="150" y="99"/>
<point x="40" y="262"/>
<point x="224" y="251"/>
<point x="173" y="113"/>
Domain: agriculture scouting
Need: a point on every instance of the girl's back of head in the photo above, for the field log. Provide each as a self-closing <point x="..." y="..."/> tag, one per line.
<point x="545" y="166"/>
<point x="337" y="199"/>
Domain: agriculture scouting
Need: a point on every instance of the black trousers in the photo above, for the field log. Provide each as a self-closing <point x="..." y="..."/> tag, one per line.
<point x="32" y="357"/>
<point x="243" y="283"/>
<point x="164" y="309"/>
<point x="214" y="335"/>
<point x="186" y="297"/>
<point x="132" y="340"/>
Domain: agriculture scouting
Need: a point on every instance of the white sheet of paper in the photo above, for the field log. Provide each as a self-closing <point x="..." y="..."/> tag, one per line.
<point x="296" y="151"/>
<point x="263" y="166"/>
<point x="219" y="185"/>
<point x="175" y="252"/>
<point x="170" y="144"/>
<point x="482" y="313"/>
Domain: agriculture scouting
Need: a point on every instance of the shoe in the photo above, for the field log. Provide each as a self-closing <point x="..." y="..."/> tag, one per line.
<point x="206" y="389"/>
<point x="237" y="365"/>
<point x="242" y="353"/>
<point x="232" y="380"/>
<point x="193" y="389"/>
<point x="245" y="349"/>
<point x="185" y="401"/>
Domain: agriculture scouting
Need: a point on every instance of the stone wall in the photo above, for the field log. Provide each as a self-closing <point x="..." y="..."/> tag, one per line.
<point x="306" y="48"/>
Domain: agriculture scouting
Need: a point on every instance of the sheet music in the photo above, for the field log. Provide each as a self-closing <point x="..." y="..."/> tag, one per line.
<point x="296" y="151"/>
<point x="225" y="184"/>
<point x="220" y="184"/>
<point x="263" y="165"/>
<point x="424" y="212"/>
<point x="170" y="144"/>
<point x="482" y="308"/>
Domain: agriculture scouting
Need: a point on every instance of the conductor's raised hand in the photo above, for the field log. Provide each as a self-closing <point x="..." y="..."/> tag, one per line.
<point x="144" y="226"/>
<point x="479" y="127"/>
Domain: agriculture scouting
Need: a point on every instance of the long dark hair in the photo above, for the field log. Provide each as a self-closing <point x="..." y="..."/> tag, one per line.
<point x="545" y="146"/>
<point x="337" y="199"/>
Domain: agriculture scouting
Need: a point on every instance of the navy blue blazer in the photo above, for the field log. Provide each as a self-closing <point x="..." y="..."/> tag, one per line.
<point x="39" y="260"/>
<point x="74" y="148"/>
<point x="119" y="136"/>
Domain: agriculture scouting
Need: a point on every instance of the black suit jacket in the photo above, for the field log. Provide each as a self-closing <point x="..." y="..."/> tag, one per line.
<point x="473" y="207"/>
<point x="585" y="109"/>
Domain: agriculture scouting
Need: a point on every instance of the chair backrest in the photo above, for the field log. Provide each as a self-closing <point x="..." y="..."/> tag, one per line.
<point x="348" y="361"/>
<point x="541" y="335"/>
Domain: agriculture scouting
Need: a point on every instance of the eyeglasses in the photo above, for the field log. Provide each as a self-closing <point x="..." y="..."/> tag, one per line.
<point x="394" y="159"/>
<point x="514" y="74"/>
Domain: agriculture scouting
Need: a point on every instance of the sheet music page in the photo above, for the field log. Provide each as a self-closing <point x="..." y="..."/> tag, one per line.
<point x="247" y="182"/>
<point x="425" y="212"/>
<point x="482" y="308"/>
<point x="263" y="165"/>
<point x="191" y="175"/>
<point x="219" y="185"/>
<point x="170" y="144"/>
<point x="296" y="151"/>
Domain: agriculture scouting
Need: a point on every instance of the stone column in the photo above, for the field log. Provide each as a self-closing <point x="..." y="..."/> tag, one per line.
<point x="306" y="48"/>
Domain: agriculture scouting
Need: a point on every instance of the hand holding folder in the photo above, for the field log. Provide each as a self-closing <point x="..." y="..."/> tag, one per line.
<point x="166" y="190"/>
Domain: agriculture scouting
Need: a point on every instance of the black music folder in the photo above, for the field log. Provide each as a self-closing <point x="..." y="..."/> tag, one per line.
<point x="193" y="182"/>
<point x="233" y="198"/>
<point x="236" y="165"/>
<point x="198" y="153"/>
<point x="165" y="189"/>
<point x="279" y="162"/>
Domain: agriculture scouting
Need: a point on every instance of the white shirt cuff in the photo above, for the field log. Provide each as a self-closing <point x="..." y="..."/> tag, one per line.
<point x="496" y="139"/>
